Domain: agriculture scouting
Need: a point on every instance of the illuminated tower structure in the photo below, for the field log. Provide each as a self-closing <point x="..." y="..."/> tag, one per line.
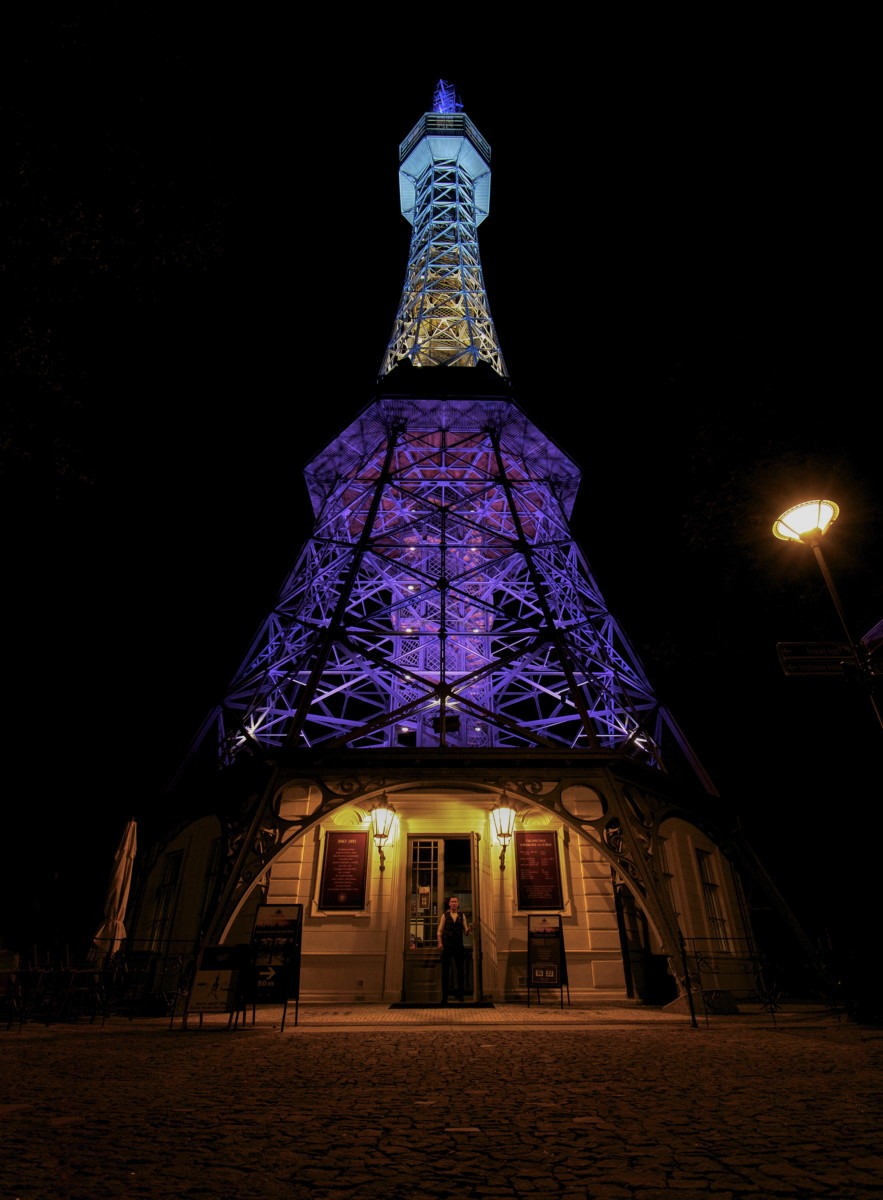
<point x="441" y="651"/>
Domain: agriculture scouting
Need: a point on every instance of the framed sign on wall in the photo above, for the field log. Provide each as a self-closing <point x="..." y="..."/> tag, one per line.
<point x="344" y="870"/>
<point x="538" y="870"/>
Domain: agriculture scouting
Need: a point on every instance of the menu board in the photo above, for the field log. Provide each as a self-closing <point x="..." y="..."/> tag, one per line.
<point x="537" y="869"/>
<point x="546" y="964"/>
<point x="344" y="870"/>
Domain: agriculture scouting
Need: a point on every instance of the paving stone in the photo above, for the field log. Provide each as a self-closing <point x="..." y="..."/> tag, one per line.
<point x="584" y="1104"/>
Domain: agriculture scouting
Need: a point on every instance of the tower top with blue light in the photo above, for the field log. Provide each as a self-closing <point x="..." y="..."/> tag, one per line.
<point x="444" y="317"/>
<point x="445" y="99"/>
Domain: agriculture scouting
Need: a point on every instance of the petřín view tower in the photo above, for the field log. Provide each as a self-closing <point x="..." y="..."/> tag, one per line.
<point x="441" y="702"/>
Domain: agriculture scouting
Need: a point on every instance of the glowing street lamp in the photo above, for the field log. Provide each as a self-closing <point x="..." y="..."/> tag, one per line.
<point x="808" y="523"/>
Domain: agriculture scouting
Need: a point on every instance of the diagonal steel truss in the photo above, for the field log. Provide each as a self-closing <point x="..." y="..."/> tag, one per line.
<point x="442" y="602"/>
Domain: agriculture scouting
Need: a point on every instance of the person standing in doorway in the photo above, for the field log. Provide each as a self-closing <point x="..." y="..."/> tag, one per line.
<point x="452" y="929"/>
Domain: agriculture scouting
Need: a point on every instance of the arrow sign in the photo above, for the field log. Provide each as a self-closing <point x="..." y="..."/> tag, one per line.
<point x="814" y="658"/>
<point x="267" y="974"/>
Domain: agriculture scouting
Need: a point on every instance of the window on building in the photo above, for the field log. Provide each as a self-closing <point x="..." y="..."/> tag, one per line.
<point x="211" y="878"/>
<point x="164" y="908"/>
<point x="667" y="874"/>
<point x="711" y="894"/>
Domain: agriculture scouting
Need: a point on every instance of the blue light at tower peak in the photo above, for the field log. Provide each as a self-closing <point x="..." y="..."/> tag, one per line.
<point x="445" y="99"/>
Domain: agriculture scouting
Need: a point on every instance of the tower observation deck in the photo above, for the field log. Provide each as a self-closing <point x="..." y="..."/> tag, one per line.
<point x="442" y="601"/>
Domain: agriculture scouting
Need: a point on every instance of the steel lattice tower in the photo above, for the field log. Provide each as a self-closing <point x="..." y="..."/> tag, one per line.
<point x="442" y="600"/>
<point x="441" y="625"/>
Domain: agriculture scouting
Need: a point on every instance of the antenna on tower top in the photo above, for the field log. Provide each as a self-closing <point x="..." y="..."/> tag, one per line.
<point x="445" y="99"/>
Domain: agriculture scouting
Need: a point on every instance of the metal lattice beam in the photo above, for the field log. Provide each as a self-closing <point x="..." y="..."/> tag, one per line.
<point x="441" y="602"/>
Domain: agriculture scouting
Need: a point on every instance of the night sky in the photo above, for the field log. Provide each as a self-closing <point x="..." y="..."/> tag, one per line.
<point x="205" y="254"/>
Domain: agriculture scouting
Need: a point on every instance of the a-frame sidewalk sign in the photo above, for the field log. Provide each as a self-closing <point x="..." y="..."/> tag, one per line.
<point x="546" y="958"/>
<point x="276" y="950"/>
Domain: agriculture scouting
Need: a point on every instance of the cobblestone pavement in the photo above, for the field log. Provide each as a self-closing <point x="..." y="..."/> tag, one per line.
<point x="371" y="1103"/>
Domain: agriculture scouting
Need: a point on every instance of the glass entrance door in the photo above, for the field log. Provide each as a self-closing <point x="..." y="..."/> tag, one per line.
<point x="425" y="891"/>
<point x="438" y="868"/>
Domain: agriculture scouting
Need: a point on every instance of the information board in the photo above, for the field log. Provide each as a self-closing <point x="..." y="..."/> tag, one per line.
<point x="276" y="946"/>
<point x="545" y="952"/>
<point x="217" y="985"/>
<point x="344" y="870"/>
<point x="546" y="960"/>
<point x="537" y="869"/>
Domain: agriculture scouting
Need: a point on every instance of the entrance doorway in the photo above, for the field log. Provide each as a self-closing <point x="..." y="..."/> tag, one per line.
<point x="438" y="868"/>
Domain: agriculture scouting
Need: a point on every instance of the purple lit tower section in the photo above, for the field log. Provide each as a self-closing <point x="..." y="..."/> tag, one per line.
<point x="441" y="602"/>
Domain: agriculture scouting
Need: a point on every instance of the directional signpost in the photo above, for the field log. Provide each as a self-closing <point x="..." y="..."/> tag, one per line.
<point x="815" y="658"/>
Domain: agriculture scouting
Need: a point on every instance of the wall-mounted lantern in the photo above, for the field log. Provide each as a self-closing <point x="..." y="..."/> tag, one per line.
<point x="503" y="817"/>
<point x="382" y="817"/>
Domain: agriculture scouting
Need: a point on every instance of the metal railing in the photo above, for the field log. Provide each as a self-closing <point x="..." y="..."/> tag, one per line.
<point x="720" y="979"/>
<point x="134" y="981"/>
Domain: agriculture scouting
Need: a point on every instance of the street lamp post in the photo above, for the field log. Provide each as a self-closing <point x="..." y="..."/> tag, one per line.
<point x="808" y="523"/>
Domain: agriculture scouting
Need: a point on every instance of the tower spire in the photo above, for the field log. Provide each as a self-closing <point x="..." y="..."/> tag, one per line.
<point x="445" y="99"/>
<point x="444" y="318"/>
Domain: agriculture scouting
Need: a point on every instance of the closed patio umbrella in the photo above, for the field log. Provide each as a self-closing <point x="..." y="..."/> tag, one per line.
<point x="112" y="931"/>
